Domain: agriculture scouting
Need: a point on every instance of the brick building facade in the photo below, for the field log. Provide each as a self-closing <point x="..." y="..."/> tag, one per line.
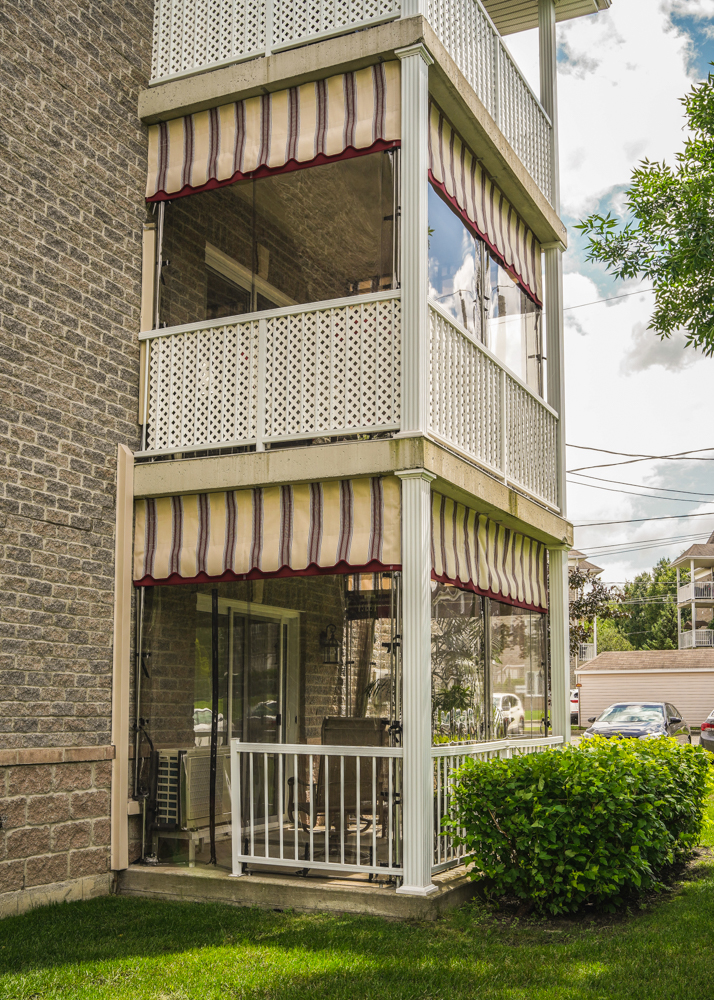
<point x="73" y="173"/>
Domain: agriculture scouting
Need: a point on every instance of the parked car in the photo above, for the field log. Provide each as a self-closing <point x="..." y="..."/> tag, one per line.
<point x="640" y="720"/>
<point x="511" y="709"/>
<point x="706" y="736"/>
<point x="574" y="707"/>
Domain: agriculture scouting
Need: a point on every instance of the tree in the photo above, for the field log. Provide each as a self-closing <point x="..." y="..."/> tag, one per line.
<point x="610" y="638"/>
<point x="589" y="599"/>
<point x="671" y="240"/>
<point x="652" y="604"/>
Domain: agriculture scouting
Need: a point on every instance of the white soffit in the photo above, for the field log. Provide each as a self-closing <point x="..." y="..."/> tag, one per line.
<point x="510" y="16"/>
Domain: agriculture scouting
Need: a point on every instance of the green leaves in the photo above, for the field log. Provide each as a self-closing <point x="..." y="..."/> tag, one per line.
<point x="592" y="823"/>
<point x="671" y="239"/>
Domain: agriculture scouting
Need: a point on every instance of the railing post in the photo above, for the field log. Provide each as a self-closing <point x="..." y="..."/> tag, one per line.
<point x="503" y="421"/>
<point x="268" y="27"/>
<point x="418" y="795"/>
<point x="262" y="374"/>
<point x="415" y="62"/>
<point x="497" y="80"/>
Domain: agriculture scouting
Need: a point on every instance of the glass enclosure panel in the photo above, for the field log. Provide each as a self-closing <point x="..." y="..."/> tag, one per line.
<point x="308" y="660"/>
<point x="519" y="690"/>
<point x="458" y="681"/>
<point x="469" y="283"/>
<point x="304" y="236"/>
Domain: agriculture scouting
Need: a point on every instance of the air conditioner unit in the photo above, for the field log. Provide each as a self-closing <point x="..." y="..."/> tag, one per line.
<point x="183" y="788"/>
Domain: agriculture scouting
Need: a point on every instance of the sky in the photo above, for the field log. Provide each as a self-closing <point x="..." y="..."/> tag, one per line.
<point x="621" y="76"/>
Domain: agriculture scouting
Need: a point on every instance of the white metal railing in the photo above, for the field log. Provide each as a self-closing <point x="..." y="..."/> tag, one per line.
<point x="586" y="651"/>
<point x="194" y="35"/>
<point x="446" y="759"/>
<point x="698" y="637"/>
<point x="316" y="807"/>
<point x="474" y="43"/>
<point x="317" y="370"/>
<point x="482" y="409"/>
<point x="703" y="591"/>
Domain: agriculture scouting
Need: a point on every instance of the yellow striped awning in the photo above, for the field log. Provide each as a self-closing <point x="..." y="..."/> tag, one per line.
<point x="455" y="171"/>
<point x="349" y="525"/>
<point x="348" y="114"/>
<point x="475" y="553"/>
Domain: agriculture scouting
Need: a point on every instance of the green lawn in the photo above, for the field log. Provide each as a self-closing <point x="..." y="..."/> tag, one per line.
<point x="131" y="948"/>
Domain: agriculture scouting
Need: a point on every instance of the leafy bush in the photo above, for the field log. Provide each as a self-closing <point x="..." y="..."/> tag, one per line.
<point x="592" y="823"/>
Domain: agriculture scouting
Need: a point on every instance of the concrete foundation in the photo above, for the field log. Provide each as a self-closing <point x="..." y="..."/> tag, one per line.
<point x="271" y="891"/>
<point x="14" y="903"/>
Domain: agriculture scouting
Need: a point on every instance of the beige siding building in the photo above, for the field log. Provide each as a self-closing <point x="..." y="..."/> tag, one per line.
<point x="683" y="677"/>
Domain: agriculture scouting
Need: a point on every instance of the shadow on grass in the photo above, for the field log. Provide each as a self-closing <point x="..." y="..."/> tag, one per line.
<point x="117" y="947"/>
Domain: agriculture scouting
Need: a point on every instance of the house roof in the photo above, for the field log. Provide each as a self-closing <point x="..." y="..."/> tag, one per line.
<point x="520" y="15"/>
<point x="580" y="560"/>
<point x="650" y="659"/>
<point x="703" y="554"/>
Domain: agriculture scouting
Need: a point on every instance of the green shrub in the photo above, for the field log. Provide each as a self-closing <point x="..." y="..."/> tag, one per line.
<point x="592" y="823"/>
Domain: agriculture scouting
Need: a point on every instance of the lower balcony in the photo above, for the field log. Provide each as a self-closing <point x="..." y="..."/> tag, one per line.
<point x="700" y="590"/>
<point x="330" y="371"/>
<point x="696" y="639"/>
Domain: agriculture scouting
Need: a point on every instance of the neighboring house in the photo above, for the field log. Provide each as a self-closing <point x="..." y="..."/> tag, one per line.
<point x="683" y="677"/>
<point x="696" y="595"/>
<point x="285" y="495"/>
<point x="578" y="560"/>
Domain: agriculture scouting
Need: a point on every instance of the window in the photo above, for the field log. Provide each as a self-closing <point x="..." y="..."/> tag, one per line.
<point x="308" y="235"/>
<point x="472" y="286"/>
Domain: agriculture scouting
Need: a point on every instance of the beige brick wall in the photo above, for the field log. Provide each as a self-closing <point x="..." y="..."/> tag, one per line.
<point x="54" y="823"/>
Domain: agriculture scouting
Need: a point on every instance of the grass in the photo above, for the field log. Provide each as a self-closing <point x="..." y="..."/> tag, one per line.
<point x="118" y="948"/>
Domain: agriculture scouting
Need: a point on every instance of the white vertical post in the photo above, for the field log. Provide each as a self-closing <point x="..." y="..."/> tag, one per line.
<point x="415" y="62"/>
<point x="417" y="794"/>
<point x="558" y="602"/>
<point x="693" y="604"/>
<point x="595" y="635"/>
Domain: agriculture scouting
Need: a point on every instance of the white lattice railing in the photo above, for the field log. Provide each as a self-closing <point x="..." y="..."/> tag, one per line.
<point x="194" y="35"/>
<point x="484" y="411"/>
<point x="446" y="760"/>
<point x="318" y="370"/>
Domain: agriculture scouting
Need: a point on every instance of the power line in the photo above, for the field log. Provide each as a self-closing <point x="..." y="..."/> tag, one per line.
<point x="595" y="302"/>
<point x="662" y="489"/>
<point x="636" y="454"/>
<point x="651" y="496"/>
<point x="636" y="520"/>
<point x="680" y="456"/>
<point x="654" y="543"/>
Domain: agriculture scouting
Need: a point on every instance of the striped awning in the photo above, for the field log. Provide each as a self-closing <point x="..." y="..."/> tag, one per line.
<point x="342" y="116"/>
<point x="455" y="171"/>
<point x="475" y="553"/>
<point x="349" y="525"/>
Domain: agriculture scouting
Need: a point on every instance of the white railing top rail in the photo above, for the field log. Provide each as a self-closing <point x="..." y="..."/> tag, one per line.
<point x="316" y="749"/>
<point x="438" y="308"/>
<point x="493" y="746"/>
<point x="277" y="313"/>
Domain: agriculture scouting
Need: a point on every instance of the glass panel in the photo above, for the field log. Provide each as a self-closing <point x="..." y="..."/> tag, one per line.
<point x="458" y="680"/>
<point x="303" y="660"/>
<point x="518" y="671"/>
<point x="304" y="236"/>
<point x="467" y="281"/>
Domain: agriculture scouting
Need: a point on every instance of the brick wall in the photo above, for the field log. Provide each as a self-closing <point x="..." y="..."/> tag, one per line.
<point x="72" y="172"/>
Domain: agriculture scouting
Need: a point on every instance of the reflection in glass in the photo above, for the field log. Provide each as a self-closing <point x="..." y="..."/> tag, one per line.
<point x="458" y="692"/>
<point x="274" y="687"/>
<point x="472" y="286"/>
<point x="518" y="670"/>
<point x="304" y="236"/>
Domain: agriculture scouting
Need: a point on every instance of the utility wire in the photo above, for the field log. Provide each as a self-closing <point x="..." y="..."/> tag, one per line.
<point x="624" y="295"/>
<point x="662" y="489"/>
<point x="636" y="520"/>
<point x="636" y="454"/>
<point x="651" y="496"/>
<point x="681" y="456"/>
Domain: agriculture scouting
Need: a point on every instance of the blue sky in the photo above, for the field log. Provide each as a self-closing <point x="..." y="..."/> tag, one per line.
<point x="621" y="76"/>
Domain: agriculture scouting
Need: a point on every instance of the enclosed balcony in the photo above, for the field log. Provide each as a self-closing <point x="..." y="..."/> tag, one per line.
<point x="192" y="36"/>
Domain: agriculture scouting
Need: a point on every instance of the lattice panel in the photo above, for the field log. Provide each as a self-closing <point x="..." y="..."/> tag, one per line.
<point x="531" y="447"/>
<point x="297" y="20"/>
<point x="474" y="44"/>
<point x="465" y="393"/>
<point x="334" y="370"/>
<point x="194" y="34"/>
<point x="203" y="387"/>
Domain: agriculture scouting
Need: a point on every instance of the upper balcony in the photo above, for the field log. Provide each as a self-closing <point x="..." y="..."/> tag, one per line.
<point x="192" y="36"/>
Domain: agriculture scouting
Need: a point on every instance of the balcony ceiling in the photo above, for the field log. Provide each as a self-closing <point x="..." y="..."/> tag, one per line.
<point x="510" y="16"/>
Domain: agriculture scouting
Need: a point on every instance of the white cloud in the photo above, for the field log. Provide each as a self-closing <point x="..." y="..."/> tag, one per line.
<point x="646" y="350"/>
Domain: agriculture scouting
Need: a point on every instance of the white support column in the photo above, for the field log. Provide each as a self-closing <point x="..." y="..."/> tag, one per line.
<point x="418" y="807"/>
<point x="415" y="62"/>
<point x="121" y="656"/>
<point x="558" y="601"/>
<point x="693" y="604"/>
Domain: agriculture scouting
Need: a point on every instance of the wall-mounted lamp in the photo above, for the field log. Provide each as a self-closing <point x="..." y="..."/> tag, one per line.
<point x="330" y="645"/>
